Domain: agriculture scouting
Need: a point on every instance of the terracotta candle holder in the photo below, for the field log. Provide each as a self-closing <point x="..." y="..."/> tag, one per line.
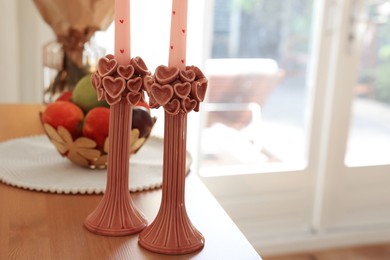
<point x="121" y="86"/>
<point x="116" y="214"/>
<point x="179" y="92"/>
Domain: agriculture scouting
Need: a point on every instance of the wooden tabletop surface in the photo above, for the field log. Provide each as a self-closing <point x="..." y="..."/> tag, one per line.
<point x="39" y="225"/>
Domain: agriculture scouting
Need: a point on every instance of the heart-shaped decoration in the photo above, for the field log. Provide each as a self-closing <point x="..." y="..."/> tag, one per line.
<point x="162" y="94"/>
<point x="96" y="80"/>
<point x="106" y="67"/>
<point x="198" y="89"/>
<point x="133" y="98"/>
<point x="165" y="75"/>
<point x="188" y="104"/>
<point x="153" y="103"/>
<point x="139" y="66"/>
<point x="148" y="81"/>
<point x="172" y="107"/>
<point x="134" y="85"/>
<point x="112" y="101"/>
<point x="110" y="56"/>
<point x="182" y="89"/>
<point x="196" y="108"/>
<point x="125" y="71"/>
<point x="114" y="86"/>
<point x="100" y="93"/>
<point x="187" y="75"/>
<point x="197" y="71"/>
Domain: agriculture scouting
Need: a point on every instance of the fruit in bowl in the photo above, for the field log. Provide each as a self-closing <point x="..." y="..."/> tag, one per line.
<point x="78" y="125"/>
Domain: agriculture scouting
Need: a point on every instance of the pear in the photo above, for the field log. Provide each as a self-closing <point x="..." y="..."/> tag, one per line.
<point x="85" y="96"/>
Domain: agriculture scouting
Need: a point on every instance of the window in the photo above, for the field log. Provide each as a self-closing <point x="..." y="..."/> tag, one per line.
<point x="258" y="95"/>
<point x="369" y="135"/>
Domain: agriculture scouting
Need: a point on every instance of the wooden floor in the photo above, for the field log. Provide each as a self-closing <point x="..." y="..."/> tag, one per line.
<point x="375" y="252"/>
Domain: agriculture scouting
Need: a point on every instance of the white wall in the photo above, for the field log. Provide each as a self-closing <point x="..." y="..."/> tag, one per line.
<point x="24" y="33"/>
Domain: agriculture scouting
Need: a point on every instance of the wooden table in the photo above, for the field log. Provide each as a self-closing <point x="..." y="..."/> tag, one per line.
<point x="38" y="225"/>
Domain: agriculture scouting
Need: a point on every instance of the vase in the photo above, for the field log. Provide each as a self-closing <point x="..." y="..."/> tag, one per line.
<point x="116" y="215"/>
<point x="64" y="67"/>
<point x="172" y="231"/>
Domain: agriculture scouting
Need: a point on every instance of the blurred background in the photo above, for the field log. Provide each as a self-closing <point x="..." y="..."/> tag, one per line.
<point x="294" y="139"/>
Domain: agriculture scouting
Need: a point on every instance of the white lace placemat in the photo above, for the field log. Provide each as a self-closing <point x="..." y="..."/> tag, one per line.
<point x="33" y="163"/>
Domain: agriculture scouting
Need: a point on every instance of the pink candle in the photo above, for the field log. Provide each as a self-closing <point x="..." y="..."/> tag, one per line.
<point x="177" y="50"/>
<point x="122" y="32"/>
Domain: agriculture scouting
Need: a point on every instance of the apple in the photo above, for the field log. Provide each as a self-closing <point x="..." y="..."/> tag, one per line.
<point x="65" y="96"/>
<point x="143" y="104"/>
<point x="96" y="125"/>
<point x="142" y="121"/>
<point x="85" y="95"/>
<point x="66" y="114"/>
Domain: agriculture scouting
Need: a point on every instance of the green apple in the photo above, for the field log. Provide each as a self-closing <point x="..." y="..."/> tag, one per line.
<point x="85" y="96"/>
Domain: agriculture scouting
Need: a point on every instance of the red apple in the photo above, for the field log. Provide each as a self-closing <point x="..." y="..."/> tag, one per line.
<point x="64" y="113"/>
<point x="142" y="104"/>
<point x="96" y="125"/>
<point x="66" y="96"/>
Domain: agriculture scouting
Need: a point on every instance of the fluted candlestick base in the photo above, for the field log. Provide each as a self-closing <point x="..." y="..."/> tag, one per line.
<point x="172" y="231"/>
<point x="116" y="215"/>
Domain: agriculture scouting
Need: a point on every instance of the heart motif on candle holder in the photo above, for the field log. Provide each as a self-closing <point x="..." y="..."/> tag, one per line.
<point x="133" y="98"/>
<point x="125" y="72"/>
<point x="134" y="85"/>
<point x="188" y="104"/>
<point x="166" y="75"/>
<point x="162" y="94"/>
<point x="110" y="100"/>
<point x="106" y="66"/>
<point x="139" y="66"/>
<point x="153" y="103"/>
<point x="100" y="93"/>
<point x="196" y="108"/>
<point x="148" y="81"/>
<point x="187" y="75"/>
<point x="199" y="74"/>
<point x="110" y="56"/>
<point x="173" y="107"/>
<point x="96" y="80"/>
<point x="182" y="89"/>
<point x="114" y="86"/>
<point x="198" y="90"/>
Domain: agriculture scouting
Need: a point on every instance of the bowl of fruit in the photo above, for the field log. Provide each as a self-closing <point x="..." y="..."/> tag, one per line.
<point x="78" y="125"/>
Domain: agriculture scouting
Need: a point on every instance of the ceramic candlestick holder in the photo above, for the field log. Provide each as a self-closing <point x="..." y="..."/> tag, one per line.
<point x="179" y="92"/>
<point x="121" y="86"/>
<point x="172" y="231"/>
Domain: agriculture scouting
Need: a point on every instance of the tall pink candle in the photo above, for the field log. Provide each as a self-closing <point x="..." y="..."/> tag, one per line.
<point x="177" y="51"/>
<point x="122" y="32"/>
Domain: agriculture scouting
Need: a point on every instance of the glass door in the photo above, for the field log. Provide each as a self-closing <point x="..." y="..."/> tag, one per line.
<point x="258" y="99"/>
<point x="353" y="195"/>
<point x="369" y="134"/>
